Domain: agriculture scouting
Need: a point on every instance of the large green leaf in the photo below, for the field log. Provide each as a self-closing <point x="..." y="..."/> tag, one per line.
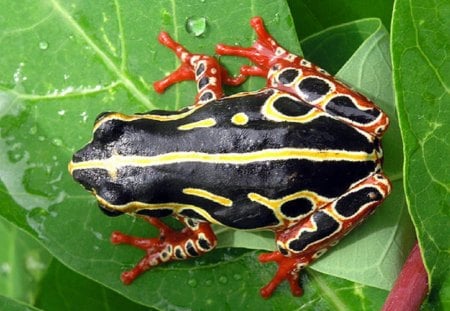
<point x="9" y="304"/>
<point x="312" y="16"/>
<point x="23" y="263"/>
<point x="61" y="65"/>
<point x="420" y="49"/>
<point x="63" y="287"/>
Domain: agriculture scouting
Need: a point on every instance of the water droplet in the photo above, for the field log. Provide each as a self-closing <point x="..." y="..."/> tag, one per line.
<point x="208" y="282"/>
<point x="277" y="18"/>
<point x="5" y="268"/>
<point x="196" y="26"/>
<point x="57" y="142"/>
<point x="223" y="279"/>
<point x="43" y="45"/>
<point x="192" y="283"/>
<point x="33" y="130"/>
<point x="237" y="277"/>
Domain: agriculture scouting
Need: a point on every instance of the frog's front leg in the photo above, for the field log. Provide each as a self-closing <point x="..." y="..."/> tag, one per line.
<point x="302" y="243"/>
<point x="204" y="69"/>
<point x="293" y="74"/>
<point x="194" y="240"/>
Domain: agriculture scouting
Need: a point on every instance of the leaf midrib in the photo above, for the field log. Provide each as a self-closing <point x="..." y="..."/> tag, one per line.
<point x="128" y="84"/>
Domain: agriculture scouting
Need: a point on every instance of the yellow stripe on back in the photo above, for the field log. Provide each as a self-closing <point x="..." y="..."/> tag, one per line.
<point x="116" y="161"/>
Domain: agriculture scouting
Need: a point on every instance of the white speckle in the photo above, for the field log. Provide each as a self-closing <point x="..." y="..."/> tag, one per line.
<point x="18" y="74"/>
<point x="67" y="90"/>
<point x="66" y="76"/>
<point x="62" y="112"/>
<point x="5" y="268"/>
<point x="84" y="115"/>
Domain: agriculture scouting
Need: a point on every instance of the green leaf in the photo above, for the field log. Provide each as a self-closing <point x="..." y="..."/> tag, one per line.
<point x="420" y="53"/>
<point x="9" y="304"/>
<point x="23" y="262"/>
<point x="63" y="64"/>
<point x="63" y="287"/>
<point x="312" y="16"/>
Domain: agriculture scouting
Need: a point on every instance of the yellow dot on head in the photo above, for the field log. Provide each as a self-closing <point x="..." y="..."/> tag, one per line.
<point x="239" y="119"/>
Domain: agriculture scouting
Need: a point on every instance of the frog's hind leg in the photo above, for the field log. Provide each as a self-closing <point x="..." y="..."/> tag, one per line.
<point x="265" y="53"/>
<point x="293" y="74"/>
<point x="204" y="69"/>
<point x="194" y="240"/>
<point x="302" y="243"/>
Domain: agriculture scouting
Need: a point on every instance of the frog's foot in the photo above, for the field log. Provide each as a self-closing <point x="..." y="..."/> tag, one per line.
<point x="193" y="240"/>
<point x="264" y="53"/>
<point x="204" y="69"/>
<point x="288" y="269"/>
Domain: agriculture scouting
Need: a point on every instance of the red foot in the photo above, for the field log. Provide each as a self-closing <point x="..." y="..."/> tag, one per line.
<point x="170" y="245"/>
<point x="190" y="69"/>
<point x="265" y="52"/>
<point x="183" y="73"/>
<point x="288" y="269"/>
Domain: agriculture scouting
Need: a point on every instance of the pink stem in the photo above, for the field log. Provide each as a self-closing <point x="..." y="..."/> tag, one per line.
<point x="411" y="286"/>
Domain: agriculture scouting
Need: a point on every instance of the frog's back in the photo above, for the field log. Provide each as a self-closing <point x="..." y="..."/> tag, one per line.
<point x="248" y="161"/>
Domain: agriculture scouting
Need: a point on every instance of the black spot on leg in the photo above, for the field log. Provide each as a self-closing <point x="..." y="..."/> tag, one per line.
<point x="326" y="227"/>
<point x="314" y="88"/>
<point x="179" y="253"/>
<point x="207" y="96"/>
<point x="344" y="106"/>
<point x="190" y="249"/>
<point x="288" y="76"/>
<point x="200" y="69"/>
<point x="350" y="204"/>
<point x="204" y="244"/>
<point x="203" y="82"/>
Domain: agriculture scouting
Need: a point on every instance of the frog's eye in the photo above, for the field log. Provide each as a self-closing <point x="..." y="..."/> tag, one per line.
<point x="108" y="131"/>
<point x="108" y="211"/>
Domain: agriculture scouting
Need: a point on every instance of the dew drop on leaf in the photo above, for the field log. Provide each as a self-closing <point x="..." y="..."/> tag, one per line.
<point x="192" y="282"/>
<point x="237" y="277"/>
<point x="57" y="142"/>
<point x="43" y="45"/>
<point x="223" y="279"/>
<point x="196" y="26"/>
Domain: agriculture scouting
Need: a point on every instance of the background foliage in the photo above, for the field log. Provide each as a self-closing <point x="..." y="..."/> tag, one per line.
<point x="62" y="63"/>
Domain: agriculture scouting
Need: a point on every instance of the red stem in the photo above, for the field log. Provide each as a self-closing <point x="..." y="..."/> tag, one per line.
<point x="411" y="286"/>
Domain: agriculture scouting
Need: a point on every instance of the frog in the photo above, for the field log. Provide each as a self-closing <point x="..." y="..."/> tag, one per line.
<point x="301" y="157"/>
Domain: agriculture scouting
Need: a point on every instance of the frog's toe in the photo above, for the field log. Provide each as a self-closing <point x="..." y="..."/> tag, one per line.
<point x="288" y="269"/>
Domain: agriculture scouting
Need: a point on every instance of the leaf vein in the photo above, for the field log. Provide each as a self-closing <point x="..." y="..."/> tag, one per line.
<point x="129" y="85"/>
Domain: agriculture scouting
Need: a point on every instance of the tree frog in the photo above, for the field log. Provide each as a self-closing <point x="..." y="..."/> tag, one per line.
<point x="301" y="157"/>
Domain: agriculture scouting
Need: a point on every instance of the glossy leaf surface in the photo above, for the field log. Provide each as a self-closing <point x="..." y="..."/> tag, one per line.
<point x="65" y="63"/>
<point x="421" y="61"/>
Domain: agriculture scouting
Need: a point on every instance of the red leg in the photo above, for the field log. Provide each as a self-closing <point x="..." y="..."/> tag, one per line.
<point x="264" y="53"/>
<point x="304" y="242"/>
<point x="205" y="70"/>
<point x="293" y="74"/>
<point x="288" y="268"/>
<point x="194" y="240"/>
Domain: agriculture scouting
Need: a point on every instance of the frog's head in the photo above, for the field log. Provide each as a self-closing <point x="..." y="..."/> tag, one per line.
<point x="101" y="167"/>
